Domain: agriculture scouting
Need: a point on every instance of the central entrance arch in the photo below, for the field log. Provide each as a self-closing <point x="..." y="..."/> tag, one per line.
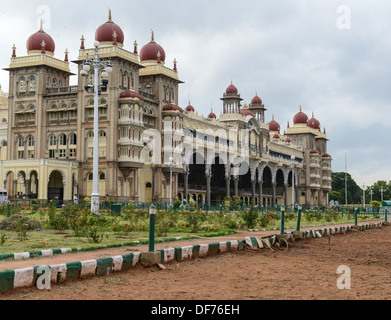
<point x="56" y="186"/>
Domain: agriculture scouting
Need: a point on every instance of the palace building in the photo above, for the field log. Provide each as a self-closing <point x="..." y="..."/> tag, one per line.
<point x="150" y="149"/>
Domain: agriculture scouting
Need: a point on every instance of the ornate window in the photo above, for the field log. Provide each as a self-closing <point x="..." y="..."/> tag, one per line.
<point x="32" y="83"/>
<point x="22" y="84"/>
<point x="53" y="140"/>
<point x="63" y="140"/>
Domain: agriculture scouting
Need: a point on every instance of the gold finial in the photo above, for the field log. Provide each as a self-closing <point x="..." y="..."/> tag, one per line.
<point x="115" y="34"/>
<point x="301" y="109"/>
<point x="175" y="62"/>
<point x="41" y="25"/>
<point x="158" y="54"/>
<point x="110" y="15"/>
<point x="14" y="47"/>
<point x="245" y="106"/>
<point x="153" y="36"/>
<point x="273" y="117"/>
<point x="43" y="43"/>
<point x="135" y="43"/>
<point x="82" y="38"/>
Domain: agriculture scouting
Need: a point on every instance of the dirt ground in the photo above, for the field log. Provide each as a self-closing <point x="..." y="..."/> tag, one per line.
<point x="306" y="271"/>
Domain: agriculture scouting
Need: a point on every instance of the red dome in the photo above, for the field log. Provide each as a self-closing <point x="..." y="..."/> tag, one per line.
<point x="288" y="140"/>
<point x="150" y="51"/>
<point x="34" y="42"/>
<point x="313" y="151"/>
<point x="256" y="100"/>
<point x="326" y="155"/>
<point x="131" y="94"/>
<point x="246" y="112"/>
<point x="300" y="117"/>
<point x="231" y="89"/>
<point x="190" y="108"/>
<point x="105" y="32"/>
<point x="314" y="123"/>
<point x="274" y="125"/>
<point x="276" y="136"/>
<point x="212" y="116"/>
<point x="172" y="107"/>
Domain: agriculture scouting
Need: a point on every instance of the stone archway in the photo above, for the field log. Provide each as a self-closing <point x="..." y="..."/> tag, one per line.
<point x="56" y="186"/>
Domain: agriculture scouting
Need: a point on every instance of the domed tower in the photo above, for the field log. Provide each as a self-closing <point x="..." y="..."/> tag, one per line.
<point x="153" y="53"/>
<point x="40" y="43"/>
<point x="231" y="100"/>
<point x="109" y="33"/>
<point x="258" y="108"/>
<point x="314" y="123"/>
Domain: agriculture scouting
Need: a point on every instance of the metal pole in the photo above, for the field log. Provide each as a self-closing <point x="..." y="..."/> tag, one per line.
<point x="355" y="216"/>
<point x="282" y="219"/>
<point x="152" y="220"/>
<point x="293" y="183"/>
<point x="298" y="219"/>
<point x="95" y="198"/>
<point x="171" y="165"/>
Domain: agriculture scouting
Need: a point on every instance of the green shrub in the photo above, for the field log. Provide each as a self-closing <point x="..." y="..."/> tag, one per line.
<point x="10" y="223"/>
<point x="250" y="216"/>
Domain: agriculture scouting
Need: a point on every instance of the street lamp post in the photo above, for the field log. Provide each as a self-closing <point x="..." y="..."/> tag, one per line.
<point x="96" y="63"/>
<point x="381" y="191"/>
<point x="364" y="195"/>
<point x="171" y="166"/>
<point x="371" y="193"/>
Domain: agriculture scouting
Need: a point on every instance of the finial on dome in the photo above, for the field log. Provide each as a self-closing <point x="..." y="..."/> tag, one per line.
<point x="175" y="63"/>
<point x="135" y="47"/>
<point x="114" y="38"/>
<point x="43" y="45"/>
<point x="153" y="37"/>
<point x="158" y="57"/>
<point x="110" y="16"/>
<point x="14" y="51"/>
<point x="273" y="117"/>
<point x="301" y="109"/>
<point x="82" y="47"/>
<point x="66" y="55"/>
<point x="288" y="123"/>
<point x="41" y="25"/>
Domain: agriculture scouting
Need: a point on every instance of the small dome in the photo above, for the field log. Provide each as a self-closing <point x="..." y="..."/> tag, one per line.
<point x="287" y="140"/>
<point x="190" y="108"/>
<point x="131" y="94"/>
<point x="256" y="100"/>
<point x="172" y="107"/>
<point x="274" y="125"/>
<point x="326" y="155"/>
<point x="212" y="116"/>
<point x="246" y="112"/>
<point x="151" y="50"/>
<point x="105" y="33"/>
<point x="314" y="152"/>
<point x="300" y="118"/>
<point x="231" y="89"/>
<point x="276" y="136"/>
<point x="34" y="42"/>
<point x="314" y="123"/>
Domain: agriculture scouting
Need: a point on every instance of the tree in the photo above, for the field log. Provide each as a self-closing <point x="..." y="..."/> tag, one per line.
<point x="354" y="192"/>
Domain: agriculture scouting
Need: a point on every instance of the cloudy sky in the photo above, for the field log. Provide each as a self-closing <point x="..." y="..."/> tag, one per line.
<point x="331" y="57"/>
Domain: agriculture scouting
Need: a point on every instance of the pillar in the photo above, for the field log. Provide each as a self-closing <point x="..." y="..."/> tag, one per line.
<point x="228" y="186"/>
<point x="260" y="193"/>
<point x="208" y="175"/>
<point x="253" y="184"/>
<point x="186" y="184"/>
<point x="236" y="184"/>
<point x="274" y="184"/>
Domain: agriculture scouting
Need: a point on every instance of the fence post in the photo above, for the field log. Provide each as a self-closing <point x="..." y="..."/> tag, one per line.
<point x="385" y="215"/>
<point x="355" y="216"/>
<point x="152" y="220"/>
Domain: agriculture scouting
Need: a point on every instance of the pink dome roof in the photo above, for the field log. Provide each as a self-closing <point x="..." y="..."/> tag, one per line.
<point x="313" y="151"/>
<point x="212" y="116"/>
<point x="131" y="94"/>
<point x="300" y="118"/>
<point x="231" y="89"/>
<point x="256" y="100"/>
<point x="274" y="125"/>
<point x="150" y="51"/>
<point x="172" y="107"/>
<point x="288" y="140"/>
<point x="34" y="42"/>
<point x="190" y="108"/>
<point x="326" y="155"/>
<point x="276" y="136"/>
<point x="106" y="31"/>
<point x="314" y="123"/>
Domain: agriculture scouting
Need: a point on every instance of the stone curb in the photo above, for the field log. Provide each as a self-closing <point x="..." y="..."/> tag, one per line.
<point x="22" y="278"/>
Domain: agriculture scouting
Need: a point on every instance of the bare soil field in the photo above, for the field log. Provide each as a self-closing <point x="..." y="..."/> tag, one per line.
<point x="307" y="270"/>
